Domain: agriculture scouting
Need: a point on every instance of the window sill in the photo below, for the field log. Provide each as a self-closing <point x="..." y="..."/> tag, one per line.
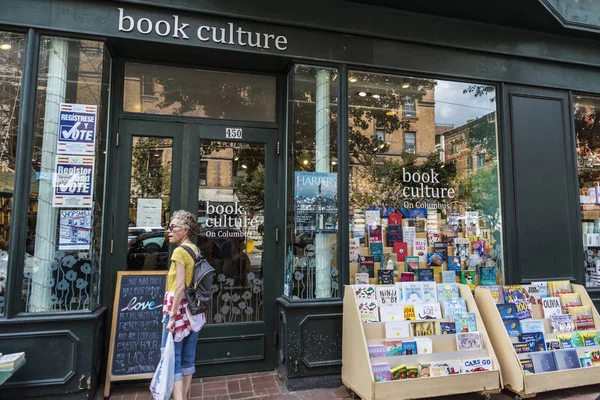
<point x="309" y="303"/>
<point x="55" y="316"/>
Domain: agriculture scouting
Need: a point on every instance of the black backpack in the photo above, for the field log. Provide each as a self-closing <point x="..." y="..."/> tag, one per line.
<point x="199" y="293"/>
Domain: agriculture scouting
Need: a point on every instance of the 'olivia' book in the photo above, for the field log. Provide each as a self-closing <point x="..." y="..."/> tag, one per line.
<point x="551" y="306"/>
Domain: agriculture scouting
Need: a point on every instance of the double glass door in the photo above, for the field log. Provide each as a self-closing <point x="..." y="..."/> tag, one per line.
<point x="227" y="177"/>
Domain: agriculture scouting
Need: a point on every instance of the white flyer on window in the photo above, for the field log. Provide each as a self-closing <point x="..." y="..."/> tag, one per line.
<point x="149" y="212"/>
<point x="75" y="229"/>
<point x="72" y="183"/>
<point x="77" y="129"/>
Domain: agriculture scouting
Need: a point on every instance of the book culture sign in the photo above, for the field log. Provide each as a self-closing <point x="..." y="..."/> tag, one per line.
<point x="421" y="188"/>
<point x="315" y="202"/>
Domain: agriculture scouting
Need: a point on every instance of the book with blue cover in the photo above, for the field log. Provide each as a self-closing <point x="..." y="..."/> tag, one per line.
<point x="425" y="275"/>
<point x="376" y="251"/>
<point x="543" y="362"/>
<point x="454" y="264"/>
<point x="535" y="340"/>
<point x="454" y="306"/>
<point x="465" y="322"/>
<point x="487" y="276"/>
<point x="447" y="291"/>
<point x="516" y="294"/>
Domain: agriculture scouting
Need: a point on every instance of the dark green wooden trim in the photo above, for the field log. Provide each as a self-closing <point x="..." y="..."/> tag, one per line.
<point x="343" y="181"/>
<point x="287" y="303"/>
<point x="197" y="120"/>
<point x="280" y="255"/>
<point x="18" y="234"/>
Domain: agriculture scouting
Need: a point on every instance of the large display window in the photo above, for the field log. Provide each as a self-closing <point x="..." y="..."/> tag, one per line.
<point x="424" y="185"/>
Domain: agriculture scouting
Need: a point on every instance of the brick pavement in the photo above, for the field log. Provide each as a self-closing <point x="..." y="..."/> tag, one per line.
<point x="268" y="385"/>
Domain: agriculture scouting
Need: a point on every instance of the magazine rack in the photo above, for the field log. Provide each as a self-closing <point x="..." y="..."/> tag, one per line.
<point x="526" y="386"/>
<point x="356" y="364"/>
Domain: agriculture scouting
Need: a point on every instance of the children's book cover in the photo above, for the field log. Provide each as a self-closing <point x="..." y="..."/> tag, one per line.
<point x="567" y="359"/>
<point x="401" y="251"/>
<point x="565" y="340"/>
<point x="435" y="259"/>
<point x="521" y="347"/>
<point x="552" y="344"/>
<point x="441" y="247"/>
<point x="527" y="365"/>
<point x="381" y="372"/>
<point x="532" y="325"/>
<point x="471" y="222"/>
<point x="376" y="350"/>
<point x="444" y="368"/>
<point x="535" y="340"/>
<point x="376" y="251"/>
<point x="447" y="291"/>
<point x="412" y="292"/>
<point x="468" y="341"/>
<point x="369" y="312"/>
<point x="497" y="293"/>
<point x="468" y="278"/>
<point x="551" y="306"/>
<point x="454" y="306"/>
<point x="393" y="313"/>
<point x="582" y="317"/>
<point x="487" y="276"/>
<point x="429" y="292"/>
<point x="586" y="362"/>
<point x="425" y="275"/>
<point x="534" y="293"/>
<point x="454" y="264"/>
<point x="361" y="278"/>
<point x="428" y="311"/>
<point x="408" y="235"/>
<point x="542" y="288"/>
<point x="558" y="287"/>
<point x="397" y="329"/>
<point x="594" y="355"/>
<point x="420" y="248"/>
<point x="387" y="295"/>
<point x="424" y="345"/>
<point x="461" y="248"/>
<point x="515" y="294"/>
<point x="507" y="311"/>
<point x="409" y="347"/>
<point x="588" y="338"/>
<point x="568" y="300"/>
<point x="465" y="322"/>
<point x="562" y="323"/>
<point x="367" y="264"/>
<point x="412" y="264"/>
<point x="407" y="277"/>
<point x="409" y="313"/>
<point x="398" y="286"/>
<point x="393" y="347"/>
<point x="512" y="327"/>
<point x="543" y="361"/>
<point x="448" y="277"/>
<point x="354" y="250"/>
<point x="447" y="328"/>
<point x="433" y="236"/>
<point x="364" y="292"/>
<point x="476" y="365"/>
<point x="385" y="276"/>
<point x="423" y="328"/>
<point x="455" y="222"/>
<point x="390" y="261"/>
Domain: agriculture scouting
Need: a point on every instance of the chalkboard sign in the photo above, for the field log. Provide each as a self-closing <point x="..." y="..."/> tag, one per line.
<point x="136" y="333"/>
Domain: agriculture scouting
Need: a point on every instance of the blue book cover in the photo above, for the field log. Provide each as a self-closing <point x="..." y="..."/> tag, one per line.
<point x="507" y="311"/>
<point x="409" y="348"/>
<point x="376" y="251"/>
<point x="425" y="274"/>
<point x="435" y="259"/>
<point x="513" y="327"/>
<point x="465" y="322"/>
<point x="543" y="362"/>
<point x="487" y="276"/>
<point x="454" y="306"/>
<point x="454" y="264"/>
<point x="535" y="340"/>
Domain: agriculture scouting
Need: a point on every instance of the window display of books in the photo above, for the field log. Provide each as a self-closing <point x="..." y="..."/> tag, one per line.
<point x="423" y="245"/>
<point x="428" y="331"/>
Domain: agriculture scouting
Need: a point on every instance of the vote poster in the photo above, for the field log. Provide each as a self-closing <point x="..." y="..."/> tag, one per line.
<point x="75" y="227"/>
<point x="72" y="183"/>
<point x="77" y="129"/>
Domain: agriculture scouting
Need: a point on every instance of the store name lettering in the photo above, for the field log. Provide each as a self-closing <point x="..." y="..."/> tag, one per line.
<point x="228" y="216"/>
<point x="230" y="35"/>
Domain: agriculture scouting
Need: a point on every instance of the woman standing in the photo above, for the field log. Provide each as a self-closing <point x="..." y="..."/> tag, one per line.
<point x="178" y="321"/>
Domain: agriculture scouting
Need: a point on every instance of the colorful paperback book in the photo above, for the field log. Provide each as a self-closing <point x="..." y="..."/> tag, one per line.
<point x="385" y="277"/>
<point x="558" y="287"/>
<point x="364" y="292"/>
<point x="468" y="341"/>
<point x="455" y="222"/>
<point x="465" y="322"/>
<point x="468" y="278"/>
<point x="407" y="277"/>
<point x="424" y="345"/>
<point x="395" y="218"/>
<point x="367" y="265"/>
<point x="361" y="278"/>
<point x="527" y="366"/>
<point x="566" y="359"/>
<point x="409" y="313"/>
<point x="387" y="295"/>
<point x="568" y="300"/>
<point x="586" y="362"/>
<point x="444" y="368"/>
<point x="376" y="251"/>
<point x="552" y="344"/>
<point x="401" y="251"/>
<point x="497" y="293"/>
<point x="454" y="264"/>
<point x="512" y="326"/>
<point x="565" y="340"/>
<point x="409" y="234"/>
<point x="376" y="350"/>
<point x="447" y="291"/>
<point x="487" y="276"/>
<point x="582" y="317"/>
<point x="354" y="250"/>
<point x="394" y="313"/>
<point x="412" y="292"/>
<point x="369" y="312"/>
<point x="441" y="247"/>
<point x="507" y="311"/>
<point x="535" y="340"/>
<point x="421" y="328"/>
<point x="448" y="277"/>
<point x="435" y="259"/>
<point x="522" y="347"/>
<point x="515" y="294"/>
<point x="454" y="306"/>
<point x="381" y="372"/>
<point x="588" y="338"/>
<point x="543" y="361"/>
<point x="428" y="311"/>
<point x="429" y="292"/>
<point x="562" y="323"/>
<point x="420" y="249"/>
<point x="594" y="355"/>
<point x="397" y="329"/>
<point x="433" y="236"/>
<point x="412" y="264"/>
<point x="447" y="328"/>
<point x="478" y="247"/>
<point x="532" y="325"/>
<point x="409" y="347"/>
<point x="476" y="365"/>
<point x="551" y="306"/>
<point x="394" y="235"/>
<point x="425" y="275"/>
<point x="373" y="218"/>
<point x="389" y="261"/>
<point x="543" y="289"/>
<point x="471" y="223"/>
<point x="375" y="235"/>
<point x="461" y="248"/>
<point x="534" y="293"/>
<point x="393" y="347"/>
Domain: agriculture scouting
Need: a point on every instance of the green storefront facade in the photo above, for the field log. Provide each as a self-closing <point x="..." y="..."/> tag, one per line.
<point x="234" y="110"/>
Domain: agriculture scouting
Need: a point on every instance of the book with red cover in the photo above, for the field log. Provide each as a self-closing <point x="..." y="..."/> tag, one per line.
<point x="401" y="250"/>
<point x="395" y="218"/>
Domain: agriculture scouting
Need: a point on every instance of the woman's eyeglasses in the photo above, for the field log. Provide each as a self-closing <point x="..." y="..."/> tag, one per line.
<point x="172" y="227"/>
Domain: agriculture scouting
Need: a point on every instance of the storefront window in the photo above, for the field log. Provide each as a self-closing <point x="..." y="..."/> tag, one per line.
<point x="587" y="130"/>
<point x="11" y="55"/>
<point x="312" y="270"/>
<point x="158" y="89"/>
<point x="64" y="230"/>
<point x="418" y="207"/>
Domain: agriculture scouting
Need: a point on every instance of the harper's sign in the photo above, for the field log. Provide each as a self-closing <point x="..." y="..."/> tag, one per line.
<point x="230" y="34"/>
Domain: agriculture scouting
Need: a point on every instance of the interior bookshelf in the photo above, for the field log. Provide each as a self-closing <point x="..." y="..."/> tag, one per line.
<point x="514" y="377"/>
<point x="357" y="373"/>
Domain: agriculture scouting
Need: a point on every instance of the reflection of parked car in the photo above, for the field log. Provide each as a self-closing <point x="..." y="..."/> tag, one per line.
<point x="148" y="251"/>
<point x="134" y="231"/>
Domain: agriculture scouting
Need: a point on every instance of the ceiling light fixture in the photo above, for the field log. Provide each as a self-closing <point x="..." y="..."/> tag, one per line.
<point x="391" y="113"/>
<point x="352" y="79"/>
<point x="382" y="145"/>
<point x="236" y="158"/>
<point x="334" y="163"/>
<point x="362" y="94"/>
<point x="305" y="162"/>
<point x="376" y="96"/>
<point x="244" y="166"/>
<point x="5" y="46"/>
<point x="405" y="85"/>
